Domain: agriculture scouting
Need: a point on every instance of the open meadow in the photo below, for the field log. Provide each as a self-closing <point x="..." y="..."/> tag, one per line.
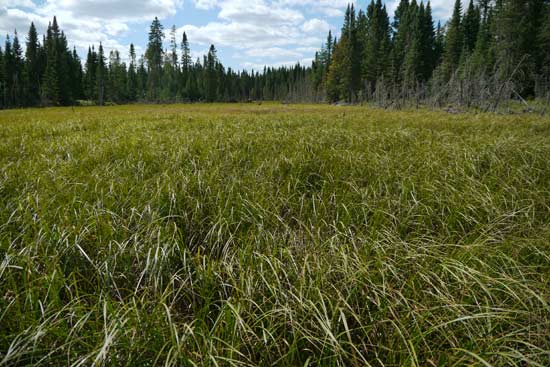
<point x="273" y="235"/>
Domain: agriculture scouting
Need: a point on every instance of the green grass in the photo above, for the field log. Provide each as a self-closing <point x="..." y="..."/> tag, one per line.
<point x="231" y="235"/>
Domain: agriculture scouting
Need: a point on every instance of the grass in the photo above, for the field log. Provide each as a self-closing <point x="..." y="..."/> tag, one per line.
<point x="244" y="235"/>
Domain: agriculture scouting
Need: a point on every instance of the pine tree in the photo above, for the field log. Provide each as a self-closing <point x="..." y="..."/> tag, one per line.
<point x="8" y="72"/>
<point x="401" y="39"/>
<point x="173" y="48"/>
<point x="439" y="44"/>
<point x="76" y="76"/>
<point x="132" y="87"/>
<point x="376" y="59"/>
<point x="18" y="68"/>
<point x="517" y="24"/>
<point x="428" y="56"/>
<point x="101" y="74"/>
<point x="2" y="80"/>
<point x="472" y="20"/>
<point x="211" y="77"/>
<point x="186" y="60"/>
<point x="64" y="64"/>
<point x="339" y="75"/>
<point x="454" y="41"/>
<point x="483" y="55"/>
<point x="90" y="78"/>
<point x="50" y="83"/>
<point x="154" y="56"/>
<point x="400" y="13"/>
<point x="412" y="60"/>
<point x="32" y="68"/>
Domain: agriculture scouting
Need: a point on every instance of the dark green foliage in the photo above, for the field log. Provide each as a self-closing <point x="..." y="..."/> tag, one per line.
<point x="101" y="73"/>
<point x="490" y="45"/>
<point x="454" y="42"/>
<point x="33" y="68"/>
<point x="154" y="56"/>
<point x="50" y="82"/>
<point x="472" y="20"/>
<point x="132" y="79"/>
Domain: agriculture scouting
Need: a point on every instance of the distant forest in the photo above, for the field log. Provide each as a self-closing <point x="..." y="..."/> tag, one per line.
<point x="489" y="52"/>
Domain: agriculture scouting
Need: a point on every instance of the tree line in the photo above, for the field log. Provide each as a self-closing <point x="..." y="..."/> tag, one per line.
<point x="489" y="51"/>
<point x="49" y="73"/>
<point x="492" y="50"/>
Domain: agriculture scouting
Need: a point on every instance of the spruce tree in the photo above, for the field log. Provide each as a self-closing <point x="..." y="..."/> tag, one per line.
<point x="32" y="68"/>
<point x="211" y="76"/>
<point x="76" y="76"/>
<point x="2" y="79"/>
<point x="50" y="83"/>
<point x="339" y="75"/>
<point x="18" y="69"/>
<point x="402" y="37"/>
<point x="186" y="60"/>
<point x="428" y="56"/>
<point x="154" y="56"/>
<point x="8" y="72"/>
<point x="101" y="74"/>
<point x="132" y="87"/>
<point x="454" y="41"/>
<point x="90" y="78"/>
<point x="472" y="20"/>
<point x="376" y="59"/>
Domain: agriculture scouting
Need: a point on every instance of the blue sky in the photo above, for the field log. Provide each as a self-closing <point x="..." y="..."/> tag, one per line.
<point x="248" y="34"/>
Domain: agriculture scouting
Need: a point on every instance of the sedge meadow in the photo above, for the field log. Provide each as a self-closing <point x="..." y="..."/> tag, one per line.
<point x="273" y="235"/>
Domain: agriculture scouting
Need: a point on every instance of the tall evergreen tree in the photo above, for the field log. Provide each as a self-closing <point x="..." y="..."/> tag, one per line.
<point x="132" y="88"/>
<point x="377" y="49"/>
<point x="18" y="69"/>
<point x="50" y="83"/>
<point x="428" y="56"/>
<point x="101" y="73"/>
<point x="454" y="41"/>
<point x="211" y="76"/>
<point x="90" y="78"/>
<point x="32" y="67"/>
<point x="472" y="20"/>
<point x="2" y="80"/>
<point x="154" y="56"/>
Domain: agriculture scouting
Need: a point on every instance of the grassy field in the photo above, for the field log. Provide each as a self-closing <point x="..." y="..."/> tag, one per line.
<point x="246" y="235"/>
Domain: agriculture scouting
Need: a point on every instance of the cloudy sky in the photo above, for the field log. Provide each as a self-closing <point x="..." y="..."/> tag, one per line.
<point x="247" y="33"/>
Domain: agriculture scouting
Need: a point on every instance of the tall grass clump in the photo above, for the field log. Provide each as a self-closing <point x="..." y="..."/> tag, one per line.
<point x="230" y="235"/>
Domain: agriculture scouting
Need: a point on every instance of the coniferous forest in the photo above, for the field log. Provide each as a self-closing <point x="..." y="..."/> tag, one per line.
<point x="487" y="53"/>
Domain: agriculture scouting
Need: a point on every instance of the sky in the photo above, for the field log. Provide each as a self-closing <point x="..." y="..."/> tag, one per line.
<point x="248" y="34"/>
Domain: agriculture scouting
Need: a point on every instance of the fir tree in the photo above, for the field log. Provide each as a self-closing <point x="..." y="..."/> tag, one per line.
<point x="132" y="87"/>
<point x="211" y="77"/>
<point x="454" y="41"/>
<point x="50" y="83"/>
<point x="32" y="67"/>
<point x="101" y="74"/>
<point x="472" y="20"/>
<point x="154" y="56"/>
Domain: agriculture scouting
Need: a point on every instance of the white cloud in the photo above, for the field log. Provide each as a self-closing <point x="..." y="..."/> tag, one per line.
<point x="315" y="25"/>
<point x="273" y="53"/>
<point x="332" y="12"/>
<point x="17" y="3"/>
<point x="205" y="4"/>
<point x="85" y="22"/>
<point x="106" y="10"/>
<point x="263" y="31"/>
<point x="258" y="12"/>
